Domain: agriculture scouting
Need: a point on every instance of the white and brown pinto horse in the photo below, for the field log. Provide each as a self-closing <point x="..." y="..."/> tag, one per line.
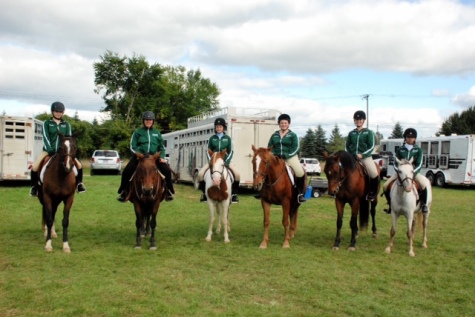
<point x="218" y="190"/>
<point x="404" y="202"/>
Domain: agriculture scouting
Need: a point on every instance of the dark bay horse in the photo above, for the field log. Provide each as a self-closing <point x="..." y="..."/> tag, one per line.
<point x="348" y="183"/>
<point x="275" y="187"/>
<point x="146" y="193"/>
<point x="59" y="184"/>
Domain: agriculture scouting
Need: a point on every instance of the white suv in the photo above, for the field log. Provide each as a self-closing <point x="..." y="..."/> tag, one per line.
<point x="106" y="160"/>
<point x="311" y="165"/>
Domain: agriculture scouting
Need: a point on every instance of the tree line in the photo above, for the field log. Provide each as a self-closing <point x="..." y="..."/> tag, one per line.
<point x="131" y="85"/>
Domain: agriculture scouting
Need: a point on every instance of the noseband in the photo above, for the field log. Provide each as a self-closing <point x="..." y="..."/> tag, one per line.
<point x="401" y="181"/>
<point x="264" y="175"/>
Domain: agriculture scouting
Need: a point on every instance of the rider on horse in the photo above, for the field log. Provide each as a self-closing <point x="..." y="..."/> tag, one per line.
<point x="217" y="143"/>
<point x="51" y="143"/>
<point x="285" y="144"/>
<point x="360" y="143"/>
<point x="148" y="141"/>
<point x="408" y="150"/>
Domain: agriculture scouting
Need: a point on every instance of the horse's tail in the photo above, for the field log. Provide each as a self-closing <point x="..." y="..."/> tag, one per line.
<point x="364" y="213"/>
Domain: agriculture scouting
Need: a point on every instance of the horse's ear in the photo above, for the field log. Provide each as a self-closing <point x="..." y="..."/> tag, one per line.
<point x="397" y="160"/>
<point x="325" y="154"/>
<point x="270" y="148"/>
<point x="223" y="152"/>
<point x="139" y="155"/>
<point x="156" y="156"/>
<point x="254" y="148"/>
<point x="210" y="152"/>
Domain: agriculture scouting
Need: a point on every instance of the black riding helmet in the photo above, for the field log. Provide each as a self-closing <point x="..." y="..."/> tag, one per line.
<point x="219" y="121"/>
<point x="57" y="106"/>
<point x="360" y="114"/>
<point x="283" y="116"/>
<point x="148" y="115"/>
<point x="410" y="132"/>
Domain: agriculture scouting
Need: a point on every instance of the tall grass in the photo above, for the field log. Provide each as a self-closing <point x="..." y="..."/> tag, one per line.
<point x="105" y="276"/>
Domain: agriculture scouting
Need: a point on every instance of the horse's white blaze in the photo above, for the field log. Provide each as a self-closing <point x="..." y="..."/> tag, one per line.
<point x="69" y="162"/>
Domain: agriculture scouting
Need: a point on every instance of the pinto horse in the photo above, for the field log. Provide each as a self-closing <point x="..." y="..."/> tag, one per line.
<point x="59" y="184"/>
<point x="404" y="202"/>
<point x="218" y="190"/>
<point x="275" y="187"/>
<point x="146" y="193"/>
<point x="348" y="183"/>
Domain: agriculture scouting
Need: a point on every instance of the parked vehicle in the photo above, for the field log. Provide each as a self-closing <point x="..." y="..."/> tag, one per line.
<point x="383" y="162"/>
<point x="186" y="149"/>
<point x="21" y="142"/>
<point x="311" y="166"/>
<point x="106" y="160"/>
<point x="447" y="159"/>
<point x="319" y="186"/>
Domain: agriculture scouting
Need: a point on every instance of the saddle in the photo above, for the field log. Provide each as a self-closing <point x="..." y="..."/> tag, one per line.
<point x="391" y="184"/>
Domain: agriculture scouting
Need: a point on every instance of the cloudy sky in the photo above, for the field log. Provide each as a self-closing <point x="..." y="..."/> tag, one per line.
<point x="311" y="59"/>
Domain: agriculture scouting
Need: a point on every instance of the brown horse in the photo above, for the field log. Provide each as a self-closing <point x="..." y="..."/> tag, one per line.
<point x="146" y="193"/>
<point x="348" y="183"/>
<point x="273" y="182"/>
<point x="59" y="184"/>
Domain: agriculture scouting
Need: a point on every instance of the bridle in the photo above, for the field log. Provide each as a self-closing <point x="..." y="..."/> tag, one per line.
<point x="407" y="178"/>
<point x="264" y="175"/>
<point x="142" y="187"/>
<point x="212" y="171"/>
<point x="63" y="154"/>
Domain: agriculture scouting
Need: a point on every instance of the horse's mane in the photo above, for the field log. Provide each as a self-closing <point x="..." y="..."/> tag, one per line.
<point x="346" y="159"/>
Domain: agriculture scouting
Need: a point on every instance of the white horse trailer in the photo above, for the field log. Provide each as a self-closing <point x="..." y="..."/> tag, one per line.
<point x="21" y="142"/>
<point x="447" y="159"/>
<point x="186" y="149"/>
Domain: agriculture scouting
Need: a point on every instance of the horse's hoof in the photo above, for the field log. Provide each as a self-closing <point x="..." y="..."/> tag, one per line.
<point x="137" y="247"/>
<point x="208" y="239"/>
<point x="424" y="245"/>
<point x="411" y="253"/>
<point x="336" y="248"/>
<point x="67" y="250"/>
<point x="388" y="250"/>
<point x="352" y="249"/>
<point x="54" y="235"/>
<point x="375" y="236"/>
<point x="286" y="246"/>
<point x="153" y="248"/>
<point x="227" y="241"/>
<point x="48" y="249"/>
<point x="263" y="246"/>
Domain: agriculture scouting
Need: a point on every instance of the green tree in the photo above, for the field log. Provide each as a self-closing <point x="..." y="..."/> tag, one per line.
<point x="397" y="131"/>
<point x="308" y="144"/>
<point x="321" y="142"/>
<point x="129" y="86"/>
<point x="463" y="123"/>
<point x="336" y="141"/>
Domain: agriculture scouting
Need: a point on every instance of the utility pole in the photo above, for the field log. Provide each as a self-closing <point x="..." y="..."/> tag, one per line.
<point x="367" y="110"/>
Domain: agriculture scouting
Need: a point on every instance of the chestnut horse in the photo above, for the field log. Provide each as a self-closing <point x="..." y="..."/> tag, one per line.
<point x="275" y="187"/>
<point x="58" y="185"/>
<point x="146" y="193"/>
<point x="218" y="190"/>
<point x="404" y="202"/>
<point x="348" y="183"/>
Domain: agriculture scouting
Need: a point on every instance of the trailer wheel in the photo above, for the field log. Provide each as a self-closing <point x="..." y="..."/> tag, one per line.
<point x="316" y="193"/>
<point x="440" y="180"/>
<point x="430" y="176"/>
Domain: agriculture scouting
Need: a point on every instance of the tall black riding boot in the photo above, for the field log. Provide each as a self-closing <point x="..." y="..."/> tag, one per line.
<point x="373" y="189"/>
<point x="388" y="198"/>
<point x="80" y="187"/>
<point x="34" y="183"/>
<point x="235" y="189"/>
<point x="202" y="186"/>
<point x="299" y="182"/>
<point x="423" y="200"/>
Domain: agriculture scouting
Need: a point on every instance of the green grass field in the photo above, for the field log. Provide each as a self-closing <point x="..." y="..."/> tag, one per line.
<point x="105" y="276"/>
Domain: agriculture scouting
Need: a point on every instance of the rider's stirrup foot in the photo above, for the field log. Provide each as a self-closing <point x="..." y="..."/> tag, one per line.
<point x="234" y="199"/>
<point x="388" y="211"/>
<point x="301" y="199"/>
<point x="425" y="209"/>
<point x="81" y="188"/>
<point x="370" y="197"/>
<point x="169" y="196"/>
<point x="203" y="198"/>
<point x="122" y="197"/>
<point x="33" y="191"/>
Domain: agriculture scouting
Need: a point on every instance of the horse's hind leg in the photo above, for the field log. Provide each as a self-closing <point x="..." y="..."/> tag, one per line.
<point x="153" y="225"/>
<point x="266" y="209"/>
<point x="286" y="223"/>
<point x="392" y="233"/>
<point x="224" y="215"/>
<point x="293" y="221"/>
<point x="373" y="218"/>
<point x="425" y="221"/>
<point x="67" y="208"/>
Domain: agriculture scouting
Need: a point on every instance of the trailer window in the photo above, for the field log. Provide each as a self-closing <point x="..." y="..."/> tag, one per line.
<point x="445" y="147"/>
<point x="434" y="148"/>
<point x="425" y="147"/>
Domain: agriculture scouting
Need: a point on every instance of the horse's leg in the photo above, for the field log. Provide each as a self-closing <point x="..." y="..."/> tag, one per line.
<point x="286" y="205"/>
<point x="411" y="224"/>
<point x="48" y="217"/>
<point x="266" y="210"/>
<point x="153" y="226"/>
<point x="425" y="220"/>
<point x="147" y="226"/>
<point x="66" y="210"/>
<point x="224" y="215"/>
<point x="211" y="220"/>
<point x="392" y="233"/>
<point x="138" y="225"/>
<point x="373" y="218"/>
<point x="294" y="212"/>
<point x="354" y="224"/>
<point x="53" y="231"/>
<point x="339" y="222"/>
